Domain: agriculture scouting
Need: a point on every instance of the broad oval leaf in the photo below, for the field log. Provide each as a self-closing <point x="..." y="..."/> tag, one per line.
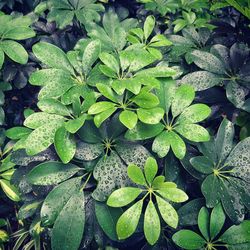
<point x="128" y="222"/>
<point x="173" y="194"/>
<point x="68" y="229"/>
<point x="150" y="169"/>
<point x="152" y="225"/>
<point x="123" y="196"/>
<point x="51" y="173"/>
<point x="203" y="222"/>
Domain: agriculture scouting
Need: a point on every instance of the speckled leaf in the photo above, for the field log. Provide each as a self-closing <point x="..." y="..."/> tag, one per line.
<point x="232" y="202"/>
<point x="201" y="80"/>
<point x="110" y="172"/>
<point x="133" y="154"/>
<point x="57" y="199"/>
<point x="159" y="71"/>
<point x="110" y="61"/>
<point x="39" y="119"/>
<point x="14" y="51"/>
<point x="88" y="151"/>
<point x="90" y="55"/>
<point x="49" y="76"/>
<point x="65" y="145"/>
<point x="69" y="226"/>
<point x="123" y="196"/>
<point x="53" y="106"/>
<point x="193" y="132"/>
<point x="239" y="158"/>
<point x="152" y="225"/>
<point x="52" y="56"/>
<point x="208" y="61"/>
<point x="194" y="113"/>
<point x="51" y="173"/>
<point x="42" y="137"/>
<point x="150" y="116"/>
<point x="168" y="213"/>
<point x="128" y="222"/>
<point x="183" y="97"/>
<point x="224" y="140"/>
<point x="148" y="27"/>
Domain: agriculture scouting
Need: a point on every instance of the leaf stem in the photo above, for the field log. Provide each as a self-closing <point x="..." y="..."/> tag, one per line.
<point x="85" y="183"/>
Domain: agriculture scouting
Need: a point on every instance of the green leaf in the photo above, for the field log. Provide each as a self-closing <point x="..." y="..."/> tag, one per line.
<point x="239" y="158"/>
<point x="53" y="106"/>
<point x="160" y="40"/>
<point x="188" y="239"/>
<point x="188" y="213"/>
<point x="201" y="80"/>
<point x="146" y="100"/>
<point x="150" y="116"/>
<point x="168" y="213"/>
<point x="179" y="25"/>
<point x="183" y="97"/>
<point x="107" y="218"/>
<point x="224" y="139"/>
<point x="159" y="71"/>
<point x="110" y="61"/>
<point x="90" y="55"/>
<point x="173" y="194"/>
<point x="136" y="175"/>
<point x="89" y="133"/>
<point x="42" y="137"/>
<point x="152" y="225"/>
<point x="144" y="131"/>
<point x="237" y="234"/>
<point x="128" y="222"/>
<point x="57" y="199"/>
<point x="193" y="132"/>
<point x="161" y="144"/>
<point x="166" y="93"/>
<point x="128" y="119"/>
<point x="17" y="132"/>
<point x="19" y="33"/>
<point x="51" y="173"/>
<point x="52" y="56"/>
<point x="68" y="229"/>
<point x="100" y="107"/>
<point x="194" y="113"/>
<point x="39" y="119"/>
<point x="217" y="220"/>
<point x="1" y="58"/>
<point x="150" y="169"/>
<point x="202" y="164"/>
<point x="177" y="145"/>
<point x="106" y="91"/>
<point x="208" y="61"/>
<point x="149" y="25"/>
<point x="123" y="196"/>
<point x="100" y="118"/>
<point x="14" y="51"/>
<point x="65" y="145"/>
<point x="28" y="209"/>
<point x="203" y="222"/>
<point x="74" y="125"/>
<point x="10" y="190"/>
<point x="211" y="183"/>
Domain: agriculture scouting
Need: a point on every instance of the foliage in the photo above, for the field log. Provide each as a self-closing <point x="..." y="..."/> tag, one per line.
<point x="155" y="187"/>
<point x="124" y="124"/>
<point x="210" y="226"/>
